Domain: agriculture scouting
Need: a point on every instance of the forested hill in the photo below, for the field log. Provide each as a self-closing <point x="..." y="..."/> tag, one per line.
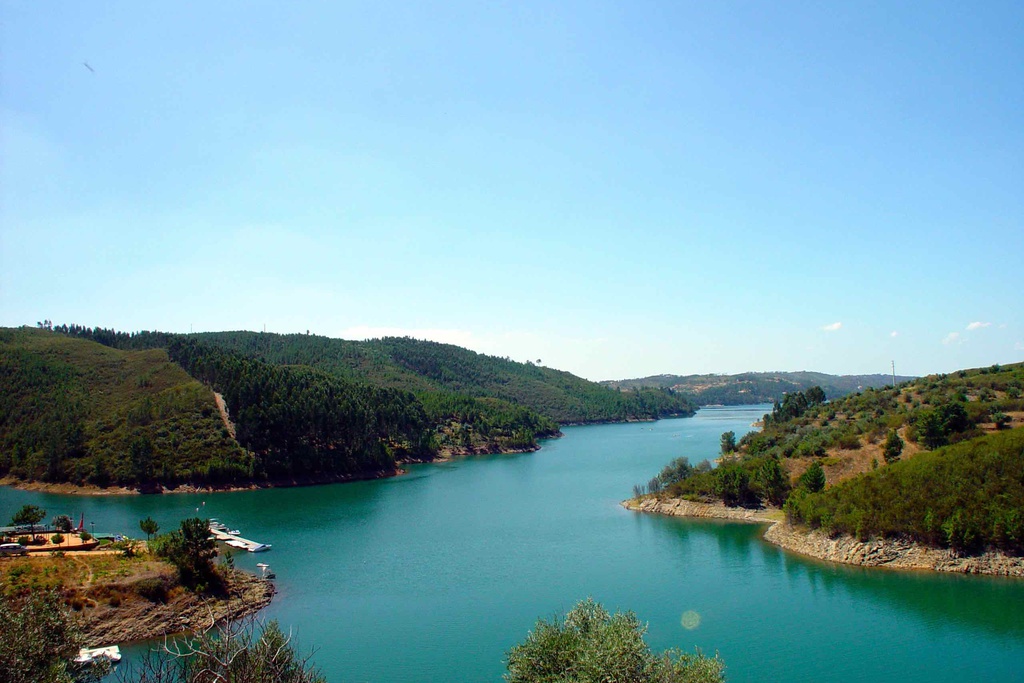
<point x="427" y="368"/>
<point x="424" y="366"/>
<point x="76" y="411"/>
<point x="84" y="406"/>
<point x="756" y="387"/>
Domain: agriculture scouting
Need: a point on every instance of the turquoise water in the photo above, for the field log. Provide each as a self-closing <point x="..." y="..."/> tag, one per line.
<point x="432" y="576"/>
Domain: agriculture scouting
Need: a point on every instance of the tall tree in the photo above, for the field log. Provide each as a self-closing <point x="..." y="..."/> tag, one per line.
<point x="29" y="515"/>
<point x="148" y="527"/>
<point x="191" y="551"/>
<point x="728" y="442"/>
<point x="814" y="478"/>
<point x="772" y="481"/>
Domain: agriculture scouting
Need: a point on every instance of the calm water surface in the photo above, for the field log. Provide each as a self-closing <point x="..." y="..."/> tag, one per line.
<point x="432" y="576"/>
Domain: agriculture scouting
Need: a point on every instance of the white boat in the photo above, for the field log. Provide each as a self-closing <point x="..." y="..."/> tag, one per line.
<point x="259" y="547"/>
<point x="90" y="655"/>
<point x="236" y="544"/>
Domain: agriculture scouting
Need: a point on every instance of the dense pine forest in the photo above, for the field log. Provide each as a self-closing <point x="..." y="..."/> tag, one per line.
<point x="95" y="406"/>
<point x="945" y="454"/>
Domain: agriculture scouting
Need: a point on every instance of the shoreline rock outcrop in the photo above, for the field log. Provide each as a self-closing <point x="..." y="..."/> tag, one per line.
<point x="898" y="553"/>
<point x="144" y="620"/>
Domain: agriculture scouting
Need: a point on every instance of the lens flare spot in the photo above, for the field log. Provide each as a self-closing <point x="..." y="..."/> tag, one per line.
<point x="690" y="620"/>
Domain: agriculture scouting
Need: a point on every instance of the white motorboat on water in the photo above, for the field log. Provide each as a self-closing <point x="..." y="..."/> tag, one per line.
<point x="91" y="655"/>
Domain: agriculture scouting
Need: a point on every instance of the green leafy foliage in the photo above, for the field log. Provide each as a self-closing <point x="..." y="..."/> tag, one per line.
<point x="28" y="515"/>
<point x="302" y="406"/>
<point x="148" y="526"/>
<point x="728" y="442"/>
<point x="589" y="645"/>
<point x="968" y="496"/>
<point x="893" y="446"/>
<point x="191" y="550"/>
<point x="243" y="651"/>
<point x="813" y="479"/>
<point x="38" y="639"/>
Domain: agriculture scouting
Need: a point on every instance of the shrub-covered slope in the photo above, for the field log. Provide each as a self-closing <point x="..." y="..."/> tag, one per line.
<point x="969" y="495"/>
<point x="946" y="456"/>
<point x="72" y="410"/>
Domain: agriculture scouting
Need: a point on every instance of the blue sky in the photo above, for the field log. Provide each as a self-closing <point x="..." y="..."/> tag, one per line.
<point x="617" y="189"/>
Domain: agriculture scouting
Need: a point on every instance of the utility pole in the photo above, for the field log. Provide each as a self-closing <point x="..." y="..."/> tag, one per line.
<point x="894" y="373"/>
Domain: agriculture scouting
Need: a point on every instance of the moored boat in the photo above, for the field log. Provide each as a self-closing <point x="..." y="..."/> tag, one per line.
<point x="91" y="655"/>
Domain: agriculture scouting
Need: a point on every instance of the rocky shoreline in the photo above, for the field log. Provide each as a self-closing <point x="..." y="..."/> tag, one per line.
<point x="888" y="553"/>
<point x="144" y="620"/>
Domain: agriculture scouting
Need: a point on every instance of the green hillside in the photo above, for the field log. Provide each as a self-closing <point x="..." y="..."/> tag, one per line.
<point x="946" y="457"/>
<point x="76" y="411"/>
<point x="94" y="406"/>
<point x="756" y="387"/>
<point x="968" y="496"/>
<point x="424" y="366"/>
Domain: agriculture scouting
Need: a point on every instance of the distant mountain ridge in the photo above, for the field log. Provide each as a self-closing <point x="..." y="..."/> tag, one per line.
<point x="756" y="387"/>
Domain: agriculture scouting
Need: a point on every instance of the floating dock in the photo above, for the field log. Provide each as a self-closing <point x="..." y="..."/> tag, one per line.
<point x="221" y="533"/>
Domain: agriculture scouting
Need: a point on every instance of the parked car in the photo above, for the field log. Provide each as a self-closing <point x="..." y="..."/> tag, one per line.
<point x="13" y="549"/>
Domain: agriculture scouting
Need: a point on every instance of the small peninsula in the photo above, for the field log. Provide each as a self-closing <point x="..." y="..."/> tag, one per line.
<point x="928" y="474"/>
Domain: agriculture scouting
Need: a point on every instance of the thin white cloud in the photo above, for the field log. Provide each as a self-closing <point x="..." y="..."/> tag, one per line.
<point x="1019" y="346"/>
<point x="978" y="325"/>
<point x="832" y="327"/>
<point x="952" y="338"/>
<point x="894" y="333"/>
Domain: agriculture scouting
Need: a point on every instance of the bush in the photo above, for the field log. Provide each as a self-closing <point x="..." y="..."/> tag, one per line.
<point x="677" y="470"/>
<point x="38" y="639"/>
<point x="589" y="645"/>
<point x="241" y="652"/>
<point x="732" y="483"/>
<point x="893" y="447"/>
<point x="191" y="551"/>
<point x="152" y="589"/>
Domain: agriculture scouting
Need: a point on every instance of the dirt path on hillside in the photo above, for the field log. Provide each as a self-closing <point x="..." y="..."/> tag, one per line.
<point x="223" y="408"/>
